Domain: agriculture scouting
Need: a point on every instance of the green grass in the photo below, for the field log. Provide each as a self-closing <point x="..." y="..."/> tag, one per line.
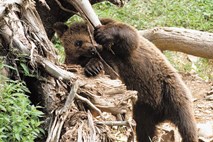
<point x="205" y="69"/>
<point x="143" y="14"/>
<point x="179" y="61"/>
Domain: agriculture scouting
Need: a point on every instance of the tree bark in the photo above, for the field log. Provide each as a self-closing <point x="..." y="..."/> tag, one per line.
<point x="189" y="41"/>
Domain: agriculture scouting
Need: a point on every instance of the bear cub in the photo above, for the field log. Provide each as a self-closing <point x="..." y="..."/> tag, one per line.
<point x="162" y="95"/>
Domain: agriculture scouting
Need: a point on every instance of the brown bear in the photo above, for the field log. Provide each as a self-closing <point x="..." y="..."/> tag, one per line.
<point x="162" y="95"/>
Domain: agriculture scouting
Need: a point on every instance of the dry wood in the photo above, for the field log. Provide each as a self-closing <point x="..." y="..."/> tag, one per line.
<point x="60" y="116"/>
<point x="65" y="9"/>
<point x="101" y="94"/>
<point x="116" y="123"/>
<point x="86" y="11"/>
<point x="189" y="41"/>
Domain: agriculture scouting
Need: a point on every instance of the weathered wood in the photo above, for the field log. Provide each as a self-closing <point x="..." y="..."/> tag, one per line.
<point x="189" y="41"/>
<point x="86" y="11"/>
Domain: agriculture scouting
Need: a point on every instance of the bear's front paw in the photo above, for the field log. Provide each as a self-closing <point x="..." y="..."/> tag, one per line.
<point x="93" y="67"/>
<point x="103" y="35"/>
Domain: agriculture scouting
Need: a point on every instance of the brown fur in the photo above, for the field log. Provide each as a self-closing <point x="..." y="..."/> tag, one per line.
<point x="162" y="95"/>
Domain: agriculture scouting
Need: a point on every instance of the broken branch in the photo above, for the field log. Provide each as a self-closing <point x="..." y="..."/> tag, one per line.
<point x="86" y="11"/>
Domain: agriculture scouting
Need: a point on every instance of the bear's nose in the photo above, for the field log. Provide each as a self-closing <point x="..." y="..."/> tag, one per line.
<point x="93" y="50"/>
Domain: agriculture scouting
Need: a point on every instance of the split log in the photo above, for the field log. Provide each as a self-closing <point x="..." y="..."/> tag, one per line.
<point x="189" y="41"/>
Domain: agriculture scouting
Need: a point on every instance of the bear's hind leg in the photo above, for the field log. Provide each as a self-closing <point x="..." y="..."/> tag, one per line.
<point x="145" y="123"/>
<point x="185" y="122"/>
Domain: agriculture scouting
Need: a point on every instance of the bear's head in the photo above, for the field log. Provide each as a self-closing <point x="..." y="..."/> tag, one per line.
<point x="78" y="43"/>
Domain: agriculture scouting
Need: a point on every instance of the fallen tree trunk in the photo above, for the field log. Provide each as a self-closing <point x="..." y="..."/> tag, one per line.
<point x="192" y="42"/>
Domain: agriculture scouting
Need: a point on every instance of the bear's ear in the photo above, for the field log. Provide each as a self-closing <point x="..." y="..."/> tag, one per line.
<point x="60" y="28"/>
<point x="106" y="21"/>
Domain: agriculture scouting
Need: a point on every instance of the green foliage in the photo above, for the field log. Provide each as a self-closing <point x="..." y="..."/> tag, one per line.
<point x="19" y="121"/>
<point x="205" y="69"/>
<point x="197" y="14"/>
<point x="179" y="61"/>
<point x="25" y="69"/>
<point x="202" y="67"/>
<point x="59" y="49"/>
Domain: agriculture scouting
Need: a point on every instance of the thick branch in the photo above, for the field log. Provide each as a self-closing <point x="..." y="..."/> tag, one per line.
<point x="86" y="11"/>
<point x="192" y="42"/>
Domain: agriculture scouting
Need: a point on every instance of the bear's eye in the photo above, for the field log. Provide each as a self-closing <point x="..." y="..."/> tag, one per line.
<point x="78" y="43"/>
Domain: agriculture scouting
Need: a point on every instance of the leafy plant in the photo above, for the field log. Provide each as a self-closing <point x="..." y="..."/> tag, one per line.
<point x="59" y="49"/>
<point x="19" y="121"/>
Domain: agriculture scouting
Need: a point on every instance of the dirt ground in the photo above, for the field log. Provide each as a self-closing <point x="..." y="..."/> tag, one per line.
<point x="202" y="92"/>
